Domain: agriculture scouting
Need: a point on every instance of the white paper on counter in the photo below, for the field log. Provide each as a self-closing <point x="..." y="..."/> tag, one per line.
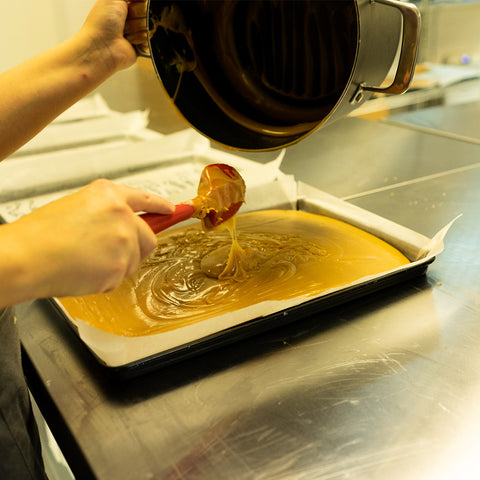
<point x="60" y="172"/>
<point x="116" y="351"/>
<point x="165" y="169"/>
<point x="88" y="122"/>
<point x="119" y="128"/>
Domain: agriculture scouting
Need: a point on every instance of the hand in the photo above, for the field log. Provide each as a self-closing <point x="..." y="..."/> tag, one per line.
<point x="113" y="26"/>
<point x="136" y="25"/>
<point x="86" y="242"/>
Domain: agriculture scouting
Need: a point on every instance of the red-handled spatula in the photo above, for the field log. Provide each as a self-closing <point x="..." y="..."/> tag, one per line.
<point x="220" y="194"/>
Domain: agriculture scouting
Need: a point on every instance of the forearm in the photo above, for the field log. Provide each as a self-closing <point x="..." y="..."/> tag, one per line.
<point x="37" y="91"/>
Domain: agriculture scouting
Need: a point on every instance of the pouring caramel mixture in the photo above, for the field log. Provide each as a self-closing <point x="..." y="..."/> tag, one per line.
<point x="195" y="275"/>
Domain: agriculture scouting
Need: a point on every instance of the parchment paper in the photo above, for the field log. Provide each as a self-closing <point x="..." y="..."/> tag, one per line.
<point x="116" y="350"/>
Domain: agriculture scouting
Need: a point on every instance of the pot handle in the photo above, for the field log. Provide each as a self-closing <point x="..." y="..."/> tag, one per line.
<point x="409" y="49"/>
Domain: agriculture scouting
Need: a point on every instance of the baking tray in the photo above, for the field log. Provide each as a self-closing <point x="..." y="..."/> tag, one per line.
<point x="419" y="249"/>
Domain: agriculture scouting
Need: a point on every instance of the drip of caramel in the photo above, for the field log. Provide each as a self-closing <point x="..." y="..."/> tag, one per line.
<point x="227" y="261"/>
<point x="195" y="275"/>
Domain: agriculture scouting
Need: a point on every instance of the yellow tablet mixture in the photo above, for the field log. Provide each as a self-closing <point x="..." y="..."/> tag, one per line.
<point x="279" y="255"/>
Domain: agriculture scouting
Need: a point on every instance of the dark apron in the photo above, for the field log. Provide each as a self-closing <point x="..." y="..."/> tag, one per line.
<point x="20" y="449"/>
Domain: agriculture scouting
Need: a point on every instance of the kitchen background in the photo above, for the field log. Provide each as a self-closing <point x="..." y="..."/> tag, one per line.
<point x="450" y="37"/>
<point x="27" y="27"/>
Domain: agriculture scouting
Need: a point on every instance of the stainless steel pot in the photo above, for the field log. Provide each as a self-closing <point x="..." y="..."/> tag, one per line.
<point x="262" y="74"/>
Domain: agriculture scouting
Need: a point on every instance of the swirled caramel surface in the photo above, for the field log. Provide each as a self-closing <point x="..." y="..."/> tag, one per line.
<point x="195" y="275"/>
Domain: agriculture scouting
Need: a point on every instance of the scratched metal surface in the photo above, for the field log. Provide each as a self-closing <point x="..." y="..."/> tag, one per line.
<point x="387" y="386"/>
<point x="457" y="121"/>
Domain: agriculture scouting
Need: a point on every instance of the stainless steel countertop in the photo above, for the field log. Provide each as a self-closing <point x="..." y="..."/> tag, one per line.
<point x="384" y="387"/>
<point x="458" y="121"/>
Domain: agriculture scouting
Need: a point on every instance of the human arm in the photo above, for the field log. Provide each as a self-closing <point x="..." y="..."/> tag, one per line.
<point x="35" y="92"/>
<point x="84" y="243"/>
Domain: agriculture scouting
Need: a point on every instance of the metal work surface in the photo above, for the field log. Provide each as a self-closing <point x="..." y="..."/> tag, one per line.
<point x="457" y="121"/>
<point x="384" y="387"/>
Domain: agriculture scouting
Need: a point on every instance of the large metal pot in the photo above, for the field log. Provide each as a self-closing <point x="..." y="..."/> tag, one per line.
<point x="262" y="74"/>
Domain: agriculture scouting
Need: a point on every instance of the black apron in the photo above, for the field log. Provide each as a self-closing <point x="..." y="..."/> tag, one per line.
<point x="20" y="449"/>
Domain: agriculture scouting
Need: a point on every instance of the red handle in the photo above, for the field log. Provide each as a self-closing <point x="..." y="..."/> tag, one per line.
<point x="158" y="222"/>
